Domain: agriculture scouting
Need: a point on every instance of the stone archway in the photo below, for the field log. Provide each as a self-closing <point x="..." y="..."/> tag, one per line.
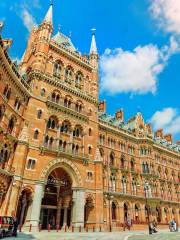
<point x="68" y="166"/>
<point x="69" y="199"/>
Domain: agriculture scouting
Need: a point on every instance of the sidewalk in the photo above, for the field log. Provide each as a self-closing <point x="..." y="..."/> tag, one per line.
<point x="128" y="235"/>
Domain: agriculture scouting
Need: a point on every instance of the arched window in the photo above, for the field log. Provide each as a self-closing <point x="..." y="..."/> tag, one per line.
<point x="43" y="92"/>
<point x="55" y="97"/>
<point x="113" y="210"/>
<point x="90" y="132"/>
<point x="78" y="107"/>
<point x="4" y="155"/>
<point x="132" y="165"/>
<point x="52" y="123"/>
<point x="51" y="140"/>
<point x="65" y="128"/>
<point x="78" y="80"/>
<point x="112" y="159"/>
<point x="122" y="162"/>
<point x="2" y="111"/>
<point x="68" y="75"/>
<point x="36" y="134"/>
<point x="123" y="181"/>
<point x="90" y="150"/>
<point x="57" y="70"/>
<point x="17" y="104"/>
<point x="137" y="210"/>
<point x="77" y="131"/>
<point x="77" y="149"/>
<point x="7" y="92"/>
<point x="11" y="125"/>
<point x="67" y="102"/>
<point x="112" y="183"/>
<point x="39" y="114"/>
<point x="46" y="140"/>
<point x="134" y="187"/>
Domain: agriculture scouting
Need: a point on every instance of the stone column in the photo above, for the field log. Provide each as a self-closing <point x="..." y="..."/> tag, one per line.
<point x="65" y="216"/>
<point x="36" y="205"/>
<point x="58" y="215"/>
<point x="78" y="208"/>
<point x="24" y="204"/>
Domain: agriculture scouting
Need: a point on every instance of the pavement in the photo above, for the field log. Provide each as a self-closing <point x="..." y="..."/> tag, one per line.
<point x="128" y="235"/>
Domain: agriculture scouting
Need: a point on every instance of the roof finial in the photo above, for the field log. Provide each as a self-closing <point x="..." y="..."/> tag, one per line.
<point x="93" y="30"/>
<point x="51" y="2"/>
<point x="59" y="28"/>
<point x="93" y="49"/>
<point x="48" y="17"/>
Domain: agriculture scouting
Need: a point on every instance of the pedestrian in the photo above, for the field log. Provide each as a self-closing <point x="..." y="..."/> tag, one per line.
<point x="15" y="226"/>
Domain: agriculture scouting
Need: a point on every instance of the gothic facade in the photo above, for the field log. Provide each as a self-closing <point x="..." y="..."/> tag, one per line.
<point x="63" y="160"/>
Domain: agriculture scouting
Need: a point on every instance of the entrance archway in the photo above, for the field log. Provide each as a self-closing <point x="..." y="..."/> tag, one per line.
<point x="24" y="203"/>
<point x="56" y="207"/>
<point x="126" y="213"/>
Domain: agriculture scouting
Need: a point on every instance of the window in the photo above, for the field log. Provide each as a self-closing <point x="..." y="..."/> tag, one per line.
<point x="123" y="185"/>
<point x="68" y="75"/>
<point x="7" y="92"/>
<point x="52" y="123"/>
<point x="11" y="125"/>
<point x="39" y="114"/>
<point x="31" y="164"/>
<point x="77" y="132"/>
<point x="90" y="132"/>
<point x="89" y="176"/>
<point x="43" y="92"/>
<point x="65" y="128"/>
<point x="2" y="110"/>
<point x="36" y="134"/>
<point x="17" y="104"/>
<point x="90" y="150"/>
<point x="57" y="70"/>
<point x="55" y="97"/>
<point x="113" y="211"/>
<point x="112" y="159"/>
<point x="78" y="80"/>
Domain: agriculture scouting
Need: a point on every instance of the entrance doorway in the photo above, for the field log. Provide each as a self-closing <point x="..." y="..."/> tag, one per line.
<point x="56" y="208"/>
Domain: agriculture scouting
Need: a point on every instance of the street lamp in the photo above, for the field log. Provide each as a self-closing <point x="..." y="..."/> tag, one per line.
<point x="109" y="197"/>
<point x="146" y="188"/>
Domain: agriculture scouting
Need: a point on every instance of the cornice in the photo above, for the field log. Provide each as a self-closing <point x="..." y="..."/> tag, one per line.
<point x="71" y="55"/>
<point x="53" y="81"/>
<point x="123" y="133"/>
<point x="68" y="111"/>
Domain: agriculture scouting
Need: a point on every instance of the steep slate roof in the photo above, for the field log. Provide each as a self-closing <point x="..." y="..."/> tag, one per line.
<point x="60" y="38"/>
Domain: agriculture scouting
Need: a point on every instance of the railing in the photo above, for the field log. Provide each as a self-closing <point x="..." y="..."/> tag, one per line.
<point x="64" y="151"/>
<point x="72" y="109"/>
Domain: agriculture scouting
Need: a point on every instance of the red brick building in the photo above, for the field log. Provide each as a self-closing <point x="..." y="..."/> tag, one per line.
<point x="63" y="159"/>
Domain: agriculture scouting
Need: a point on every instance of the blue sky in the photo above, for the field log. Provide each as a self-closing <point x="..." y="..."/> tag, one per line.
<point x="138" y="43"/>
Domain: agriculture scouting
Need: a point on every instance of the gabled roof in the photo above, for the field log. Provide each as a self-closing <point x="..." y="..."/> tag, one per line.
<point x="60" y="38"/>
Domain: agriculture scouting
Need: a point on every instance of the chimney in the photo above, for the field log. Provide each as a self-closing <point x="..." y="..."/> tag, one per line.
<point x="120" y="115"/>
<point x="178" y="142"/>
<point x="159" y="133"/>
<point x="168" y="138"/>
<point x="102" y="106"/>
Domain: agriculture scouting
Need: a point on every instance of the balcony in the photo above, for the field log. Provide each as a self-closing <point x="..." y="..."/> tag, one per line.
<point x="65" y="152"/>
<point x="67" y="110"/>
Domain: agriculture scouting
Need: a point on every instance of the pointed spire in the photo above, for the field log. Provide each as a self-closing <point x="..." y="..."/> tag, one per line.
<point x="48" y="17"/>
<point x="93" y="49"/>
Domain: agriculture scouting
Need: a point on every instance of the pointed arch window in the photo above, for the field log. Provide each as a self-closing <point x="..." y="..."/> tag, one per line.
<point x="113" y="210"/>
<point x="57" y="70"/>
<point x="124" y="187"/>
<point x="68" y="75"/>
<point x="78" y="80"/>
<point x="36" y="134"/>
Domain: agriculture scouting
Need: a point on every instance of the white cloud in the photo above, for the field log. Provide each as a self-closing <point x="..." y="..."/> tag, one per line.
<point x="135" y="72"/>
<point x="28" y="19"/>
<point x="167" y="13"/>
<point x="168" y="119"/>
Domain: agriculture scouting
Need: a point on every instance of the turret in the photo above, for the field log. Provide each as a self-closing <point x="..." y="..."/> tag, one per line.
<point x="46" y="27"/>
<point x="93" y="54"/>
